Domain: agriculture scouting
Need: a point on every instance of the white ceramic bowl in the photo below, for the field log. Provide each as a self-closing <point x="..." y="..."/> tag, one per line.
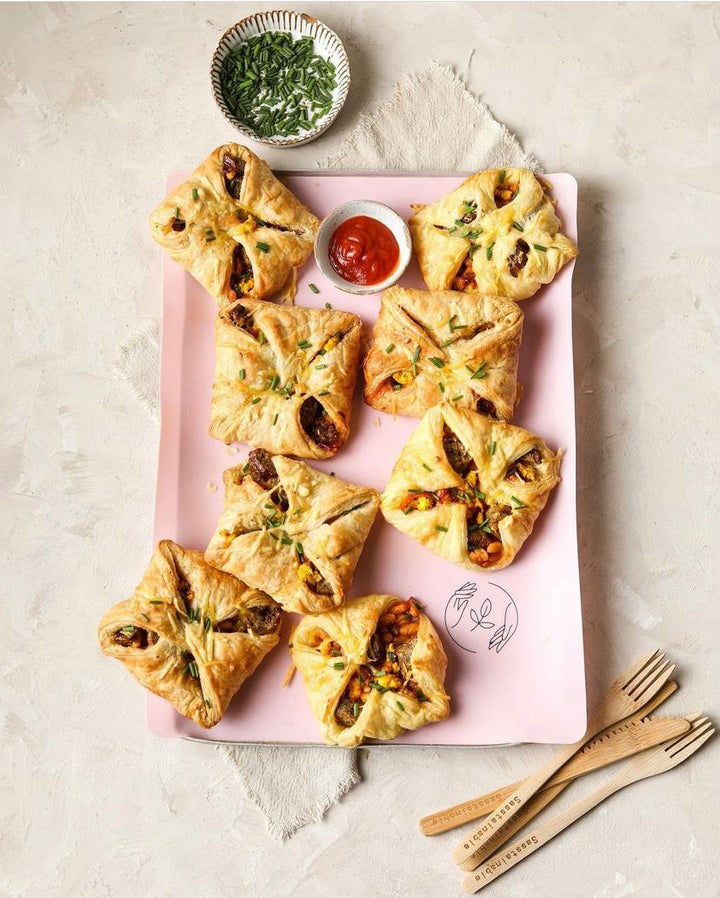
<point x="327" y="44"/>
<point x="372" y="209"/>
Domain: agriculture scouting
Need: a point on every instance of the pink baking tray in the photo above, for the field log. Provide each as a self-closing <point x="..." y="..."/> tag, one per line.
<point x="513" y="638"/>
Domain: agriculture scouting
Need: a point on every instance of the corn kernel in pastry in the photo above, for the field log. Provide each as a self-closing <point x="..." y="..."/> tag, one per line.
<point x="470" y="488"/>
<point x="190" y="633"/>
<point x="291" y="530"/>
<point x="236" y="228"/>
<point x="284" y="377"/>
<point x="373" y="669"/>
<point x="430" y="346"/>
<point x="497" y="233"/>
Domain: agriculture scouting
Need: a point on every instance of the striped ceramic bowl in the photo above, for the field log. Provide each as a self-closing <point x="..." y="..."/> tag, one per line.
<point x="327" y="44"/>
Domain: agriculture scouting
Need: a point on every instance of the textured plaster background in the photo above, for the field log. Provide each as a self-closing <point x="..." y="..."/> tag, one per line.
<point x="97" y="104"/>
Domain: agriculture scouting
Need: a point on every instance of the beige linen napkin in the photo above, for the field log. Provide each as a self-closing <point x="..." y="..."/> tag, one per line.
<point x="293" y="786"/>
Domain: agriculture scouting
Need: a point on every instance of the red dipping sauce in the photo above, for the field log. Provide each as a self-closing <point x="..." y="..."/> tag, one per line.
<point x="363" y="251"/>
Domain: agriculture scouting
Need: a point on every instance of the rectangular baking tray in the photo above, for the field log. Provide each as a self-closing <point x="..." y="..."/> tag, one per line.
<point x="513" y="637"/>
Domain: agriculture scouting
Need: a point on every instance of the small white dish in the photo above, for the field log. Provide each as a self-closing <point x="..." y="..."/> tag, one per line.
<point x="372" y="209"/>
<point x="327" y="44"/>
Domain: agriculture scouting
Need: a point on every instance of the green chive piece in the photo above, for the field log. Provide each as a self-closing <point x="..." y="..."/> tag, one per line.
<point x="261" y="338"/>
<point x="255" y="400"/>
<point x="416" y="354"/>
<point x="516" y="502"/>
<point x="328" y="306"/>
<point x="299" y="549"/>
<point x="195" y="194"/>
<point x="275" y="419"/>
<point x="156" y="602"/>
<point x="455" y="398"/>
<point x="480" y="373"/>
<point x="502" y="176"/>
<point x="314" y="288"/>
<point x="320" y="367"/>
<point x="493" y="447"/>
<point x="304" y="344"/>
<point x="427" y="467"/>
<point x="441" y="528"/>
<point x="389" y="348"/>
<point x="400" y="705"/>
<point x="441" y="386"/>
<point x="339" y="665"/>
<point x="144" y="616"/>
<point x="274" y="382"/>
<point x="245" y="467"/>
<point x="263" y="247"/>
<point x="489" y="251"/>
<point x="324" y="393"/>
<point x="542" y="249"/>
<point x="356" y="709"/>
<point x="439" y="363"/>
<point x="518" y="226"/>
<point x="241" y="374"/>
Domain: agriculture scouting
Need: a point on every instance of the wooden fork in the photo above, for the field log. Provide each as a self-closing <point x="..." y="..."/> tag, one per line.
<point x="636" y="686"/>
<point x="635" y="734"/>
<point x="649" y="763"/>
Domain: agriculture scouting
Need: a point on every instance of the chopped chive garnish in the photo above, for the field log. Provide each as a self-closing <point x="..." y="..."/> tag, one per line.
<point x="427" y="467"/>
<point x="144" y="616"/>
<point x="400" y="705"/>
<point x="390" y="347"/>
<point x="304" y="344"/>
<point x="441" y="528"/>
<point x="320" y="367"/>
<point x="324" y="393"/>
<point x="241" y="374"/>
<point x="416" y="354"/>
<point x="177" y="212"/>
<point x="439" y="363"/>
<point x="275" y="419"/>
<point x="516" y="502"/>
<point x="314" y="288"/>
<point x="195" y="194"/>
<point x="208" y="624"/>
<point x="263" y="247"/>
<point x="455" y="398"/>
<point x="274" y="382"/>
<point x="502" y="176"/>
<point x="455" y="327"/>
<point x="441" y="386"/>
<point x="328" y="306"/>
<point x="421" y="696"/>
<point x="480" y="373"/>
<point x="245" y="467"/>
<point x="489" y="251"/>
<point x="542" y="249"/>
<point x="156" y="601"/>
<point x="299" y="549"/>
<point x="208" y="703"/>
<point x="261" y="338"/>
<point x="255" y="400"/>
<point x="446" y="343"/>
<point x="493" y="446"/>
<point x="339" y="665"/>
<point x="356" y="709"/>
<point x="517" y="226"/>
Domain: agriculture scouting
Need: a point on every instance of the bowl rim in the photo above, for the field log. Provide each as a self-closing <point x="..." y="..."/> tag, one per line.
<point x="405" y="247"/>
<point x="258" y="18"/>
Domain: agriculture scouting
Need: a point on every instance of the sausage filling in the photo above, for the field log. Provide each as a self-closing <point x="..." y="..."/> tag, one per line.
<point x="135" y="637"/>
<point x="262" y="470"/>
<point x="233" y="170"/>
<point x="485" y="407"/>
<point x="318" y="425"/>
<point x="389" y="668"/>
<point x="464" y="280"/>
<point x="261" y="619"/>
<point x="524" y="470"/>
<point x="241" y="274"/>
<point x="517" y="260"/>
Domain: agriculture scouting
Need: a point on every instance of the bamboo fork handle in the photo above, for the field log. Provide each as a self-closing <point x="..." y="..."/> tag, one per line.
<point x="512" y="854"/>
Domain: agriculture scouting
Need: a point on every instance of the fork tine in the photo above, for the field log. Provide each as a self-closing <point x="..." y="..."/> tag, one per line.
<point x="700" y="737"/>
<point x="650" y="687"/>
<point x="696" y="722"/>
<point x="639" y="666"/>
<point x="647" y="672"/>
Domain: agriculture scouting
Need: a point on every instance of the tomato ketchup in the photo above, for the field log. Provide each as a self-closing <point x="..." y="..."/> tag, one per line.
<point x="363" y="251"/>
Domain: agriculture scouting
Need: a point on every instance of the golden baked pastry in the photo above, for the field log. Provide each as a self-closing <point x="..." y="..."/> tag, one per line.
<point x="284" y="377"/>
<point x="236" y="228"/>
<point x="291" y="530"/>
<point x="191" y="634"/>
<point x="372" y="669"/>
<point x="430" y="346"/>
<point x="496" y="233"/>
<point x="470" y="488"/>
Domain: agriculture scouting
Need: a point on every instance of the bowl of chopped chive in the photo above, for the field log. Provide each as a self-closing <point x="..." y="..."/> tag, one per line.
<point x="280" y="78"/>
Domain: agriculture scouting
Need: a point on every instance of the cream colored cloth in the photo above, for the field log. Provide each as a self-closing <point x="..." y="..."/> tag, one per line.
<point x="293" y="786"/>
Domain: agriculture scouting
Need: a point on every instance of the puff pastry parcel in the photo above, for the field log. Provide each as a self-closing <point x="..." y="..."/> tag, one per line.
<point x="372" y="669"/>
<point x="190" y="633"/>
<point x="430" y="346"/>
<point x="284" y="377"/>
<point x="470" y="488"/>
<point x="496" y="233"/>
<point x="235" y="227"/>
<point x="291" y="530"/>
